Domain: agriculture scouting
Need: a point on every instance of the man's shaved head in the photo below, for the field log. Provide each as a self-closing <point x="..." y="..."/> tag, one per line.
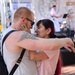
<point x="22" y="12"/>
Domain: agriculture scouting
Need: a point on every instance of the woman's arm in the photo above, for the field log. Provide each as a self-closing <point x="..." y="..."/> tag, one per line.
<point x="37" y="56"/>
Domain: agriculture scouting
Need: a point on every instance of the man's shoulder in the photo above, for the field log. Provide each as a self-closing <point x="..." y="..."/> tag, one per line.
<point x="19" y="34"/>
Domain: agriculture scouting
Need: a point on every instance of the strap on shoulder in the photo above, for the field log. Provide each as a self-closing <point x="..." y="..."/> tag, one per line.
<point x="19" y="59"/>
<point x="5" y="38"/>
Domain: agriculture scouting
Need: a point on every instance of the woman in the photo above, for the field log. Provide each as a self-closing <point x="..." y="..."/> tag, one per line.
<point x="48" y="62"/>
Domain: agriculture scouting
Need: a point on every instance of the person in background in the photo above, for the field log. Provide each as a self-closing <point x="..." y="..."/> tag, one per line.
<point x="53" y="12"/>
<point x="48" y="62"/>
<point x="21" y="39"/>
<point x="65" y="29"/>
<point x="8" y="22"/>
<point x="55" y="17"/>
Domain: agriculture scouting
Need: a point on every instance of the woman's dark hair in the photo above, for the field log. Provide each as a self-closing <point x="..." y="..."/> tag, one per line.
<point x="59" y="65"/>
<point x="47" y="23"/>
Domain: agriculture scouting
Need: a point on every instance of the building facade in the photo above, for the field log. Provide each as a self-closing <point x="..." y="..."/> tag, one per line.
<point x="41" y="9"/>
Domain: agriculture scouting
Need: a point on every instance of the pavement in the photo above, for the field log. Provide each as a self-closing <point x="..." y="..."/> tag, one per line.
<point x="68" y="70"/>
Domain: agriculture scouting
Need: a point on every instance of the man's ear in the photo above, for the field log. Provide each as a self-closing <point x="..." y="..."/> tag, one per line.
<point x="23" y="19"/>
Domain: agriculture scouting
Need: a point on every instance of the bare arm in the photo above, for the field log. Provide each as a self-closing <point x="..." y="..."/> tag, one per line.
<point x="26" y="40"/>
<point x="30" y="42"/>
<point x="37" y="56"/>
<point x="57" y="16"/>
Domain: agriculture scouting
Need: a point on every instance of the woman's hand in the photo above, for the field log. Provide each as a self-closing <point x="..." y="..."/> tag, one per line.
<point x="25" y="28"/>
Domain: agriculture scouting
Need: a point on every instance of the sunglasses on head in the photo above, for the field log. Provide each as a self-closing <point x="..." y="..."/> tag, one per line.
<point x="32" y="23"/>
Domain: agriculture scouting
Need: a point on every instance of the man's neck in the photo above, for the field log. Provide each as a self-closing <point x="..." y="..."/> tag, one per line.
<point x="14" y="26"/>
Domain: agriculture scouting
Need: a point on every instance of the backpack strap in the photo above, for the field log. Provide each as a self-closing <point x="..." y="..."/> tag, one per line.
<point x="17" y="62"/>
<point x="5" y="38"/>
<point x="19" y="59"/>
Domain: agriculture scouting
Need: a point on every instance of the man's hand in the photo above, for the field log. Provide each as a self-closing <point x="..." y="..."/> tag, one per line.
<point x="69" y="45"/>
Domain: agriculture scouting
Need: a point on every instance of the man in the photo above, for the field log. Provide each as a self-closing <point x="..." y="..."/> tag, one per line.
<point x="53" y="12"/>
<point x="20" y="39"/>
<point x="55" y="17"/>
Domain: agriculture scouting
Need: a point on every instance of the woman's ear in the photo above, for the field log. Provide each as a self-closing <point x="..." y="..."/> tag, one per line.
<point x="48" y="30"/>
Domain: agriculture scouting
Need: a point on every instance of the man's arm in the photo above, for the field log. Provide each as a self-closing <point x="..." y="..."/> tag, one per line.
<point x="54" y="14"/>
<point x="30" y="42"/>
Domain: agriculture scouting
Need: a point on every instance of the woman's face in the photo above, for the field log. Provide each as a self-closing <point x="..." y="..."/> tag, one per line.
<point x="41" y="31"/>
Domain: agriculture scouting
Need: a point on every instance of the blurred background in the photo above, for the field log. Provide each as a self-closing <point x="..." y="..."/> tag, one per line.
<point x="41" y="9"/>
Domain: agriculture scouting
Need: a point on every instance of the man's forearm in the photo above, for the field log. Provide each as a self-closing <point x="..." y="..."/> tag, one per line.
<point x="31" y="42"/>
